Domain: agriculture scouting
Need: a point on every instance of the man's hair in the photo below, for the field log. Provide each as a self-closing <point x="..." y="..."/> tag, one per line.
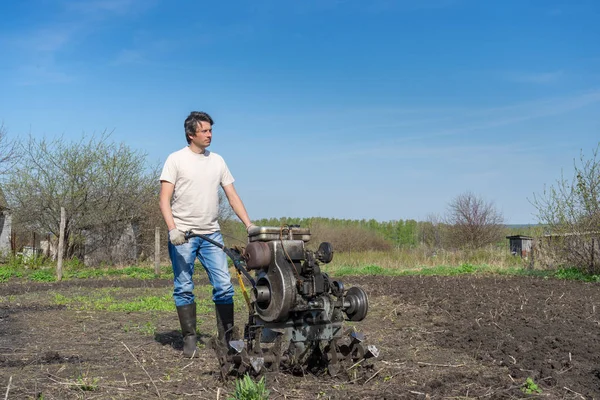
<point x="193" y="121"/>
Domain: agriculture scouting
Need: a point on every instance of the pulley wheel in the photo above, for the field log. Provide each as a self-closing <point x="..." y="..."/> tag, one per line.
<point x="281" y="285"/>
<point x="359" y="304"/>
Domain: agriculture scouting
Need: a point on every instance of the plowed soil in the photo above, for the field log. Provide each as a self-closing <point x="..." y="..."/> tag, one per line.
<point x="439" y="337"/>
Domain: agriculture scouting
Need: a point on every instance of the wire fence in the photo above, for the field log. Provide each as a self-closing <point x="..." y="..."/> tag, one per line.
<point x="102" y="240"/>
<point x="115" y="244"/>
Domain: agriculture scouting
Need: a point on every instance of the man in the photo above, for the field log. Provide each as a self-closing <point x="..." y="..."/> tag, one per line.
<point x="189" y="200"/>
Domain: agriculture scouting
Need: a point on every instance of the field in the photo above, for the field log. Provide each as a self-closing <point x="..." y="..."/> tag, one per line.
<point x="461" y="337"/>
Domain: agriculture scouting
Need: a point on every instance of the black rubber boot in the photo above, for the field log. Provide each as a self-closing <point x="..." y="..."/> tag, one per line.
<point x="187" y="320"/>
<point x="224" y="323"/>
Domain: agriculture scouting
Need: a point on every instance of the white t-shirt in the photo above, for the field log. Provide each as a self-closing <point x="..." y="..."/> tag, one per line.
<point x="197" y="178"/>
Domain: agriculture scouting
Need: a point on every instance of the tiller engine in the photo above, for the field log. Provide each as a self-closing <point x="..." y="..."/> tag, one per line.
<point x="297" y="312"/>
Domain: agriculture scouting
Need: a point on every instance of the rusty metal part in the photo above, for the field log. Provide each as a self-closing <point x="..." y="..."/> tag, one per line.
<point x="257" y="255"/>
<point x="267" y="233"/>
<point x="280" y="281"/>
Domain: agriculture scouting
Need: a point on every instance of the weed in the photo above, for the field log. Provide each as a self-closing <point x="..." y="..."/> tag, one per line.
<point x="83" y="273"/>
<point x="73" y="264"/>
<point x="530" y="387"/>
<point x="35" y="262"/>
<point x="372" y="270"/>
<point x="148" y="329"/>
<point x="6" y="272"/>
<point x="247" y="389"/>
<point x="466" y="269"/>
<point x="576" y="274"/>
<point x="43" y="275"/>
<point x="139" y="272"/>
<point x="86" y="383"/>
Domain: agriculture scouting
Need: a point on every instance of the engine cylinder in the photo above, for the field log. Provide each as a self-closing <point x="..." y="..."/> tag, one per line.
<point x="257" y="255"/>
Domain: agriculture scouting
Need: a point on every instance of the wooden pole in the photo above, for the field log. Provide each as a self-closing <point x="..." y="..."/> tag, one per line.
<point x="61" y="243"/>
<point x="592" y="269"/>
<point x="157" y="250"/>
<point x="13" y="242"/>
<point x="532" y="259"/>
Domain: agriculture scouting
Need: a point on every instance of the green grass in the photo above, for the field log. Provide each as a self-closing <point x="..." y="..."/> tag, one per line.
<point x="119" y="300"/>
<point x="105" y="300"/>
<point x="42" y="275"/>
<point x="7" y="272"/>
<point x="441" y="270"/>
<point x="576" y="274"/>
<point x="464" y="269"/>
<point x="416" y="261"/>
<point x="78" y="271"/>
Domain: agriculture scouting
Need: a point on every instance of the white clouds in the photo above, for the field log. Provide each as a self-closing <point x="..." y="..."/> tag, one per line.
<point x="540" y="78"/>
<point x="34" y="54"/>
<point x="394" y="135"/>
<point x="46" y="39"/>
<point x="43" y="74"/>
<point x="46" y="50"/>
<point x="128" y="56"/>
<point x="42" y="38"/>
<point x="118" y="7"/>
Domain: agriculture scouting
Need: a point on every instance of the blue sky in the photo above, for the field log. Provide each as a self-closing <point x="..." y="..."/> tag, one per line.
<point x="335" y="108"/>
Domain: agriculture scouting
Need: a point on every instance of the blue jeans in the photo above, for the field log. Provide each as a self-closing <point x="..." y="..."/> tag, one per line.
<point x="214" y="261"/>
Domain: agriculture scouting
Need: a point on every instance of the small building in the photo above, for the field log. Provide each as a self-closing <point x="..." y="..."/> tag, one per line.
<point x="520" y="244"/>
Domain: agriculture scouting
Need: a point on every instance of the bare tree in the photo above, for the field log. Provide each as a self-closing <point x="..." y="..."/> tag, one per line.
<point x="431" y="231"/>
<point x="225" y="211"/>
<point x="473" y="222"/>
<point x="101" y="184"/>
<point x="570" y="211"/>
<point x="9" y="152"/>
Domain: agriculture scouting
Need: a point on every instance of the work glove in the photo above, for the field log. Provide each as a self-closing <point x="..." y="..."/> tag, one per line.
<point x="177" y="237"/>
<point x="248" y="227"/>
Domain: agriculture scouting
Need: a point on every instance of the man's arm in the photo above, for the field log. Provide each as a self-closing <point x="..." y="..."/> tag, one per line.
<point x="237" y="205"/>
<point x="164" y="202"/>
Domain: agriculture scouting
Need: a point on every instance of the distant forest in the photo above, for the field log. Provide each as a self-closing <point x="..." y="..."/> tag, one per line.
<point x="398" y="233"/>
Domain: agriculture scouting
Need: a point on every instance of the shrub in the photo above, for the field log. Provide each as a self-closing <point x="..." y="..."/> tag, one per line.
<point x="349" y="238"/>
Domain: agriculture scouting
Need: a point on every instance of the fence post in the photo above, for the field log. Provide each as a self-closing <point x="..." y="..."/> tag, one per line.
<point x="532" y="258"/>
<point x="157" y="250"/>
<point x="592" y="267"/>
<point x="61" y="243"/>
<point x="13" y="242"/>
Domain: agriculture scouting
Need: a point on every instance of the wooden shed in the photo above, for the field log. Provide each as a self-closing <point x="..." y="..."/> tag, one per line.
<point x="520" y="245"/>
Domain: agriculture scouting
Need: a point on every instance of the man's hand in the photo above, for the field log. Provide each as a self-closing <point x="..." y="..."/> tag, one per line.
<point x="177" y="237"/>
<point x="249" y="226"/>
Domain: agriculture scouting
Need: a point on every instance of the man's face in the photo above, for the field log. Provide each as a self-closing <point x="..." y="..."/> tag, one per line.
<point x="203" y="135"/>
